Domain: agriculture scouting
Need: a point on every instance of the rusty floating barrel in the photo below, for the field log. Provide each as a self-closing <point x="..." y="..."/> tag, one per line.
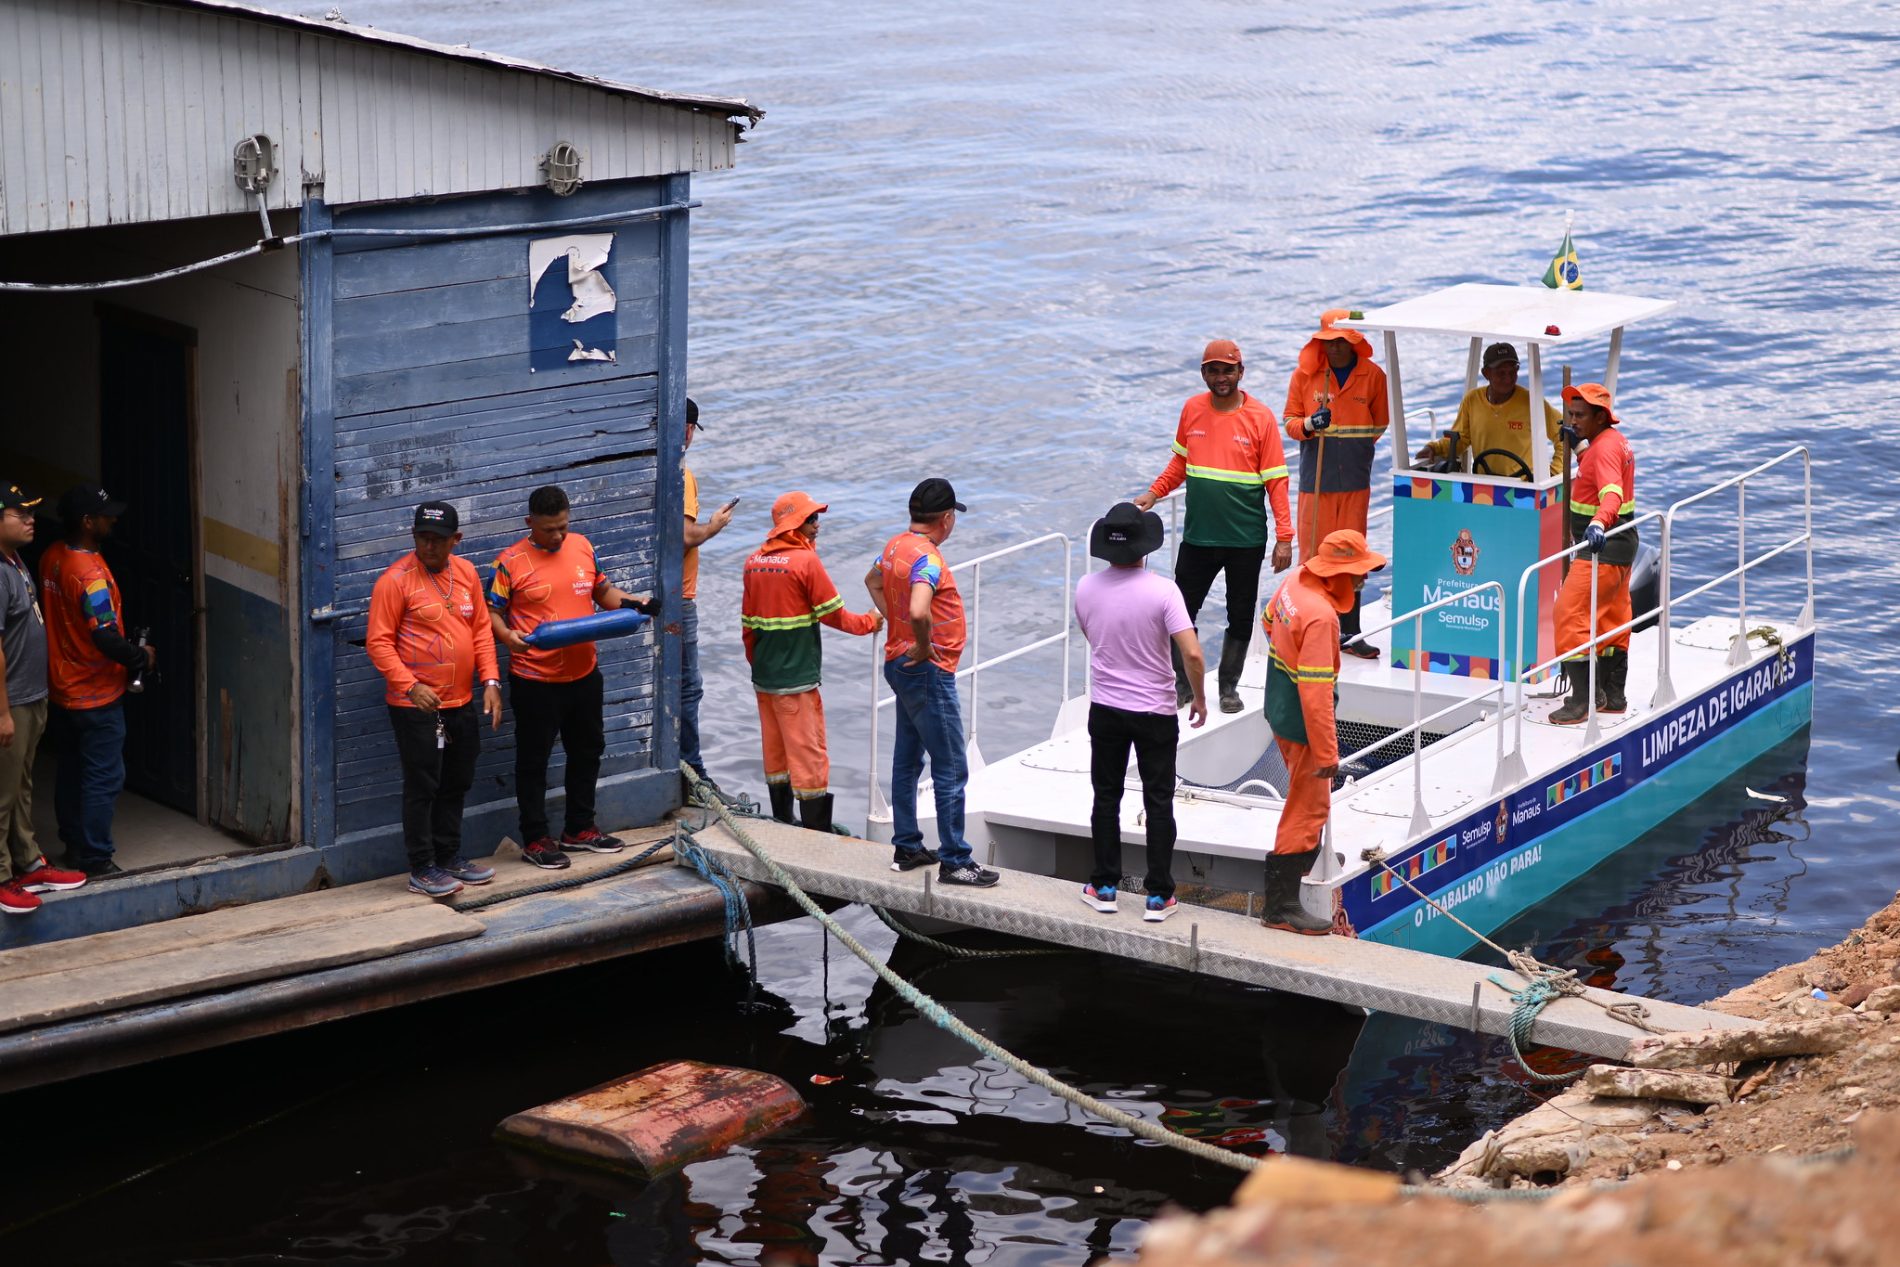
<point x="659" y="1119"/>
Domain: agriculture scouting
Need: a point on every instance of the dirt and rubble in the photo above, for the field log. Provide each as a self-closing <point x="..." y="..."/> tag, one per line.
<point x="1795" y="1162"/>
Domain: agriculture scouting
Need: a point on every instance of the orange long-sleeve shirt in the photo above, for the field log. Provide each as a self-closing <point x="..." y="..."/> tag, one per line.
<point x="1228" y="458"/>
<point x="1302" y="623"/>
<point x="431" y="628"/>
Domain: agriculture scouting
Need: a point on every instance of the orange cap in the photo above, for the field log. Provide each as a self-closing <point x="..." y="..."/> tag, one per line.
<point x="1345" y="551"/>
<point x="1326" y="320"/>
<point x="1596" y="394"/>
<point x="1225" y="351"/>
<point x="793" y="509"/>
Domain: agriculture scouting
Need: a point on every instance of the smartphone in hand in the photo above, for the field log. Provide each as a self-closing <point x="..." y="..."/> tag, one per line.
<point x="729" y="505"/>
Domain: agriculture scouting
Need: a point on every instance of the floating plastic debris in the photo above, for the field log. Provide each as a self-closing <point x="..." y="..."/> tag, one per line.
<point x="1766" y="796"/>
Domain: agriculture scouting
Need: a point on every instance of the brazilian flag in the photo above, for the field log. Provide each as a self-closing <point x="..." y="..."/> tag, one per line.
<point x="1563" y="273"/>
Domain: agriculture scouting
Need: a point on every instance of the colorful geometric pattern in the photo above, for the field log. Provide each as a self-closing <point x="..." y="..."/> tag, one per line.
<point x="1475" y="494"/>
<point x="1583" y="780"/>
<point x="1484" y="668"/>
<point x="1428" y="859"/>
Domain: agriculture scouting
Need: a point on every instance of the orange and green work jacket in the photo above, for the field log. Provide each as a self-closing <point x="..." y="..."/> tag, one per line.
<point x="1604" y="491"/>
<point x="1302" y="624"/>
<point x="787" y="595"/>
<point x="1233" y="465"/>
<point x="1360" y="417"/>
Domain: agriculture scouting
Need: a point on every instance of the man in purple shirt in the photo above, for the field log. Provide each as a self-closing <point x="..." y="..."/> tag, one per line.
<point x="1130" y="616"/>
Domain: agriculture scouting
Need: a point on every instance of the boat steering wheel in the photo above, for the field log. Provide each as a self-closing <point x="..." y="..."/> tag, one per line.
<point x="1523" y="471"/>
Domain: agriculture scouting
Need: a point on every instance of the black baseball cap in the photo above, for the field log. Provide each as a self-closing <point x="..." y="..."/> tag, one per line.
<point x="933" y="497"/>
<point x="692" y="414"/>
<point x="16" y="496"/>
<point x="88" y="499"/>
<point x="1498" y="353"/>
<point x="439" y="518"/>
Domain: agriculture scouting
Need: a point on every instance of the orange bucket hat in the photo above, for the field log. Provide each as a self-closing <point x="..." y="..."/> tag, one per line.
<point x="1345" y="552"/>
<point x="1596" y="394"/>
<point x="1327" y="330"/>
<point x="793" y="509"/>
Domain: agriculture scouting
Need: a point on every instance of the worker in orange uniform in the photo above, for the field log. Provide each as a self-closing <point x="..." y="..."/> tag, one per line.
<point x="1302" y="622"/>
<point x="1227" y="450"/>
<point x="1336" y="408"/>
<point x="787" y="595"/>
<point x="1602" y="496"/>
<point x="430" y="638"/>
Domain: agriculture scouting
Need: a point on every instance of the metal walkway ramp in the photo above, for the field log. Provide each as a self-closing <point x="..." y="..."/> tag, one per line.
<point x="1196" y="939"/>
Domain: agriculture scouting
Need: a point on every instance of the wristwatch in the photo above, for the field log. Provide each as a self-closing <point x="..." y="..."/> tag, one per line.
<point x="494" y="682"/>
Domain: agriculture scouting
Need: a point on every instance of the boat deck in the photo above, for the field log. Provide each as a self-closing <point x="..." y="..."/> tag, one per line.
<point x="1197" y="939"/>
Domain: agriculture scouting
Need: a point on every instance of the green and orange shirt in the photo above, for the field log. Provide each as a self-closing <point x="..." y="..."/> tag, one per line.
<point x="787" y="594"/>
<point x="532" y="586"/>
<point x="432" y="628"/>
<point x="1234" y="466"/>
<point x="79" y="595"/>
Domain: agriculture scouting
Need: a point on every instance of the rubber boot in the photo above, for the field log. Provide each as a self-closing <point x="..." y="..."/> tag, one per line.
<point x="1233" y="656"/>
<point x="814" y="813"/>
<point x="1574" y="710"/>
<point x="1282" y="909"/>
<point x="781" y="794"/>
<point x="1612" y="675"/>
<point x="1183" y="689"/>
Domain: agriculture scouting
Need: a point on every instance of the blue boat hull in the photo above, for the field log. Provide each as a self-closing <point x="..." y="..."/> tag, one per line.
<point x="1531" y="842"/>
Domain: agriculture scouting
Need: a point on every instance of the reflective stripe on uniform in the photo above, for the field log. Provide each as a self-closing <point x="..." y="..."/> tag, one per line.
<point x="1590" y="508"/>
<point x="1304" y="673"/>
<point x="1226" y="477"/>
<point x="1273" y="473"/>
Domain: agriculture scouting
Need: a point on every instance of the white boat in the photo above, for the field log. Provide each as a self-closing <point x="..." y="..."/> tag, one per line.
<point x="1495" y="809"/>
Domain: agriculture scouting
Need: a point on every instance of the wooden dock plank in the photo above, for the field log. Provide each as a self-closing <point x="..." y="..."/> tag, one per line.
<point x="196" y="966"/>
<point x="1197" y="939"/>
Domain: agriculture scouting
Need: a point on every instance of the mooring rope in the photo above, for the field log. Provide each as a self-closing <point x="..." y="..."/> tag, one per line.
<point x="944" y="1019"/>
<point x="1544" y="984"/>
<point x="905" y="930"/>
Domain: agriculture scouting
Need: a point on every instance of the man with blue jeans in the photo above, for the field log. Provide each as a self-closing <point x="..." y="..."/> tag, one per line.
<point x="913" y="590"/>
<point x="692" y="686"/>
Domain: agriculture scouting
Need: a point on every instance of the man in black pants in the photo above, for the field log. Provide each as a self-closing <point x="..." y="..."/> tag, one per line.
<point x="1227" y="452"/>
<point x="551" y="574"/>
<point x="1132" y="618"/>
<point x="430" y="639"/>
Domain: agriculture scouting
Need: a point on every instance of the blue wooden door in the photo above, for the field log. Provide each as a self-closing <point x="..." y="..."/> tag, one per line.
<point x="434" y="374"/>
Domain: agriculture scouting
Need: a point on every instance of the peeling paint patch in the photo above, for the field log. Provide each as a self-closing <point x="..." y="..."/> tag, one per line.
<point x="582" y="293"/>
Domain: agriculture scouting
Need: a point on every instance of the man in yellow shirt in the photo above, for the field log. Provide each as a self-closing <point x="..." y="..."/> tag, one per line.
<point x="1496" y="417"/>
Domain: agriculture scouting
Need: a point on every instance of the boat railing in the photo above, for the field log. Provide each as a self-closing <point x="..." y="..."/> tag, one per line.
<point x="1421" y="820"/>
<point x="1738" y="651"/>
<point x="973" y="618"/>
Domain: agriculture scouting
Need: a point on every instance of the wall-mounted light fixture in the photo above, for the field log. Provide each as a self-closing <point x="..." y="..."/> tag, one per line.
<point x="253" y="163"/>
<point x="562" y="168"/>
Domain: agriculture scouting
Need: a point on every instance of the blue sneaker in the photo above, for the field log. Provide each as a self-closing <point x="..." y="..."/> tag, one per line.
<point x="469" y="872"/>
<point x="434" y="882"/>
<point x="911" y="859"/>
<point x="1159" y="908"/>
<point x="1102" y="899"/>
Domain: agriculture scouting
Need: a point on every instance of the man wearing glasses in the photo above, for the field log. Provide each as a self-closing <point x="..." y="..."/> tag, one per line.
<point x="1227" y="451"/>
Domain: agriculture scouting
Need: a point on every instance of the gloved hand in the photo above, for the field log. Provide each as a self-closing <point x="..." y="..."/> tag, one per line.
<point x="1594" y="535"/>
<point x="1319" y="420"/>
<point x="1570" y="434"/>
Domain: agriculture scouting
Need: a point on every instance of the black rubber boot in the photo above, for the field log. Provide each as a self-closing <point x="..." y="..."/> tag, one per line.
<point x="1282" y="909"/>
<point x="1233" y="656"/>
<point x="1183" y="689"/>
<point x="1574" y="710"/>
<point x="1612" y="675"/>
<point x="814" y="813"/>
<point x="781" y="794"/>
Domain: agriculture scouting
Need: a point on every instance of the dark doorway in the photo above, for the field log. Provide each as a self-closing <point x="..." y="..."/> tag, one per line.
<point x="146" y="460"/>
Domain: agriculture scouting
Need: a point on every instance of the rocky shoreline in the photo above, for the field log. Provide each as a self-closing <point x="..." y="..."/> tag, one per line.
<point x="1792" y="1163"/>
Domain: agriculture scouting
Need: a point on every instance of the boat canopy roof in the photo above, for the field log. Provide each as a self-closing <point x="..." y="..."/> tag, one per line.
<point x="1522" y="314"/>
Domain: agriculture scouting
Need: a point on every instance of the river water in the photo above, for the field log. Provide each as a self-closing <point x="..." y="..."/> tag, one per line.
<point x="987" y="241"/>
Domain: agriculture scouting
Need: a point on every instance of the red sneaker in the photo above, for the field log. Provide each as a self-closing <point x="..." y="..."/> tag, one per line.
<point x="15" y="900"/>
<point x="47" y="878"/>
<point x="546" y="854"/>
<point x="592" y="840"/>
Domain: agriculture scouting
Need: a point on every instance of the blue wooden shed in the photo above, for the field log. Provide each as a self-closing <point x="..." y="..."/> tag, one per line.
<point x="276" y="280"/>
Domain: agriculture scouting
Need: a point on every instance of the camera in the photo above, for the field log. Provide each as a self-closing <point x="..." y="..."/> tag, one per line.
<point x="146" y="675"/>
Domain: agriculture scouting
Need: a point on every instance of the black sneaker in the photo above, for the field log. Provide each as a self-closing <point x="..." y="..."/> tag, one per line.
<point x="911" y="859"/>
<point x="969" y="874"/>
<point x="547" y="855"/>
<point x="104" y="869"/>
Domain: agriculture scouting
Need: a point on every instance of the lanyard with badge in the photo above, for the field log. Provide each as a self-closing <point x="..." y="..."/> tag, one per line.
<point x="448" y="609"/>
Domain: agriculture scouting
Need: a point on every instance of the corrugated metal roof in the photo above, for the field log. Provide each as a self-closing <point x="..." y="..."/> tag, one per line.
<point x="127" y="111"/>
<point x="731" y="107"/>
